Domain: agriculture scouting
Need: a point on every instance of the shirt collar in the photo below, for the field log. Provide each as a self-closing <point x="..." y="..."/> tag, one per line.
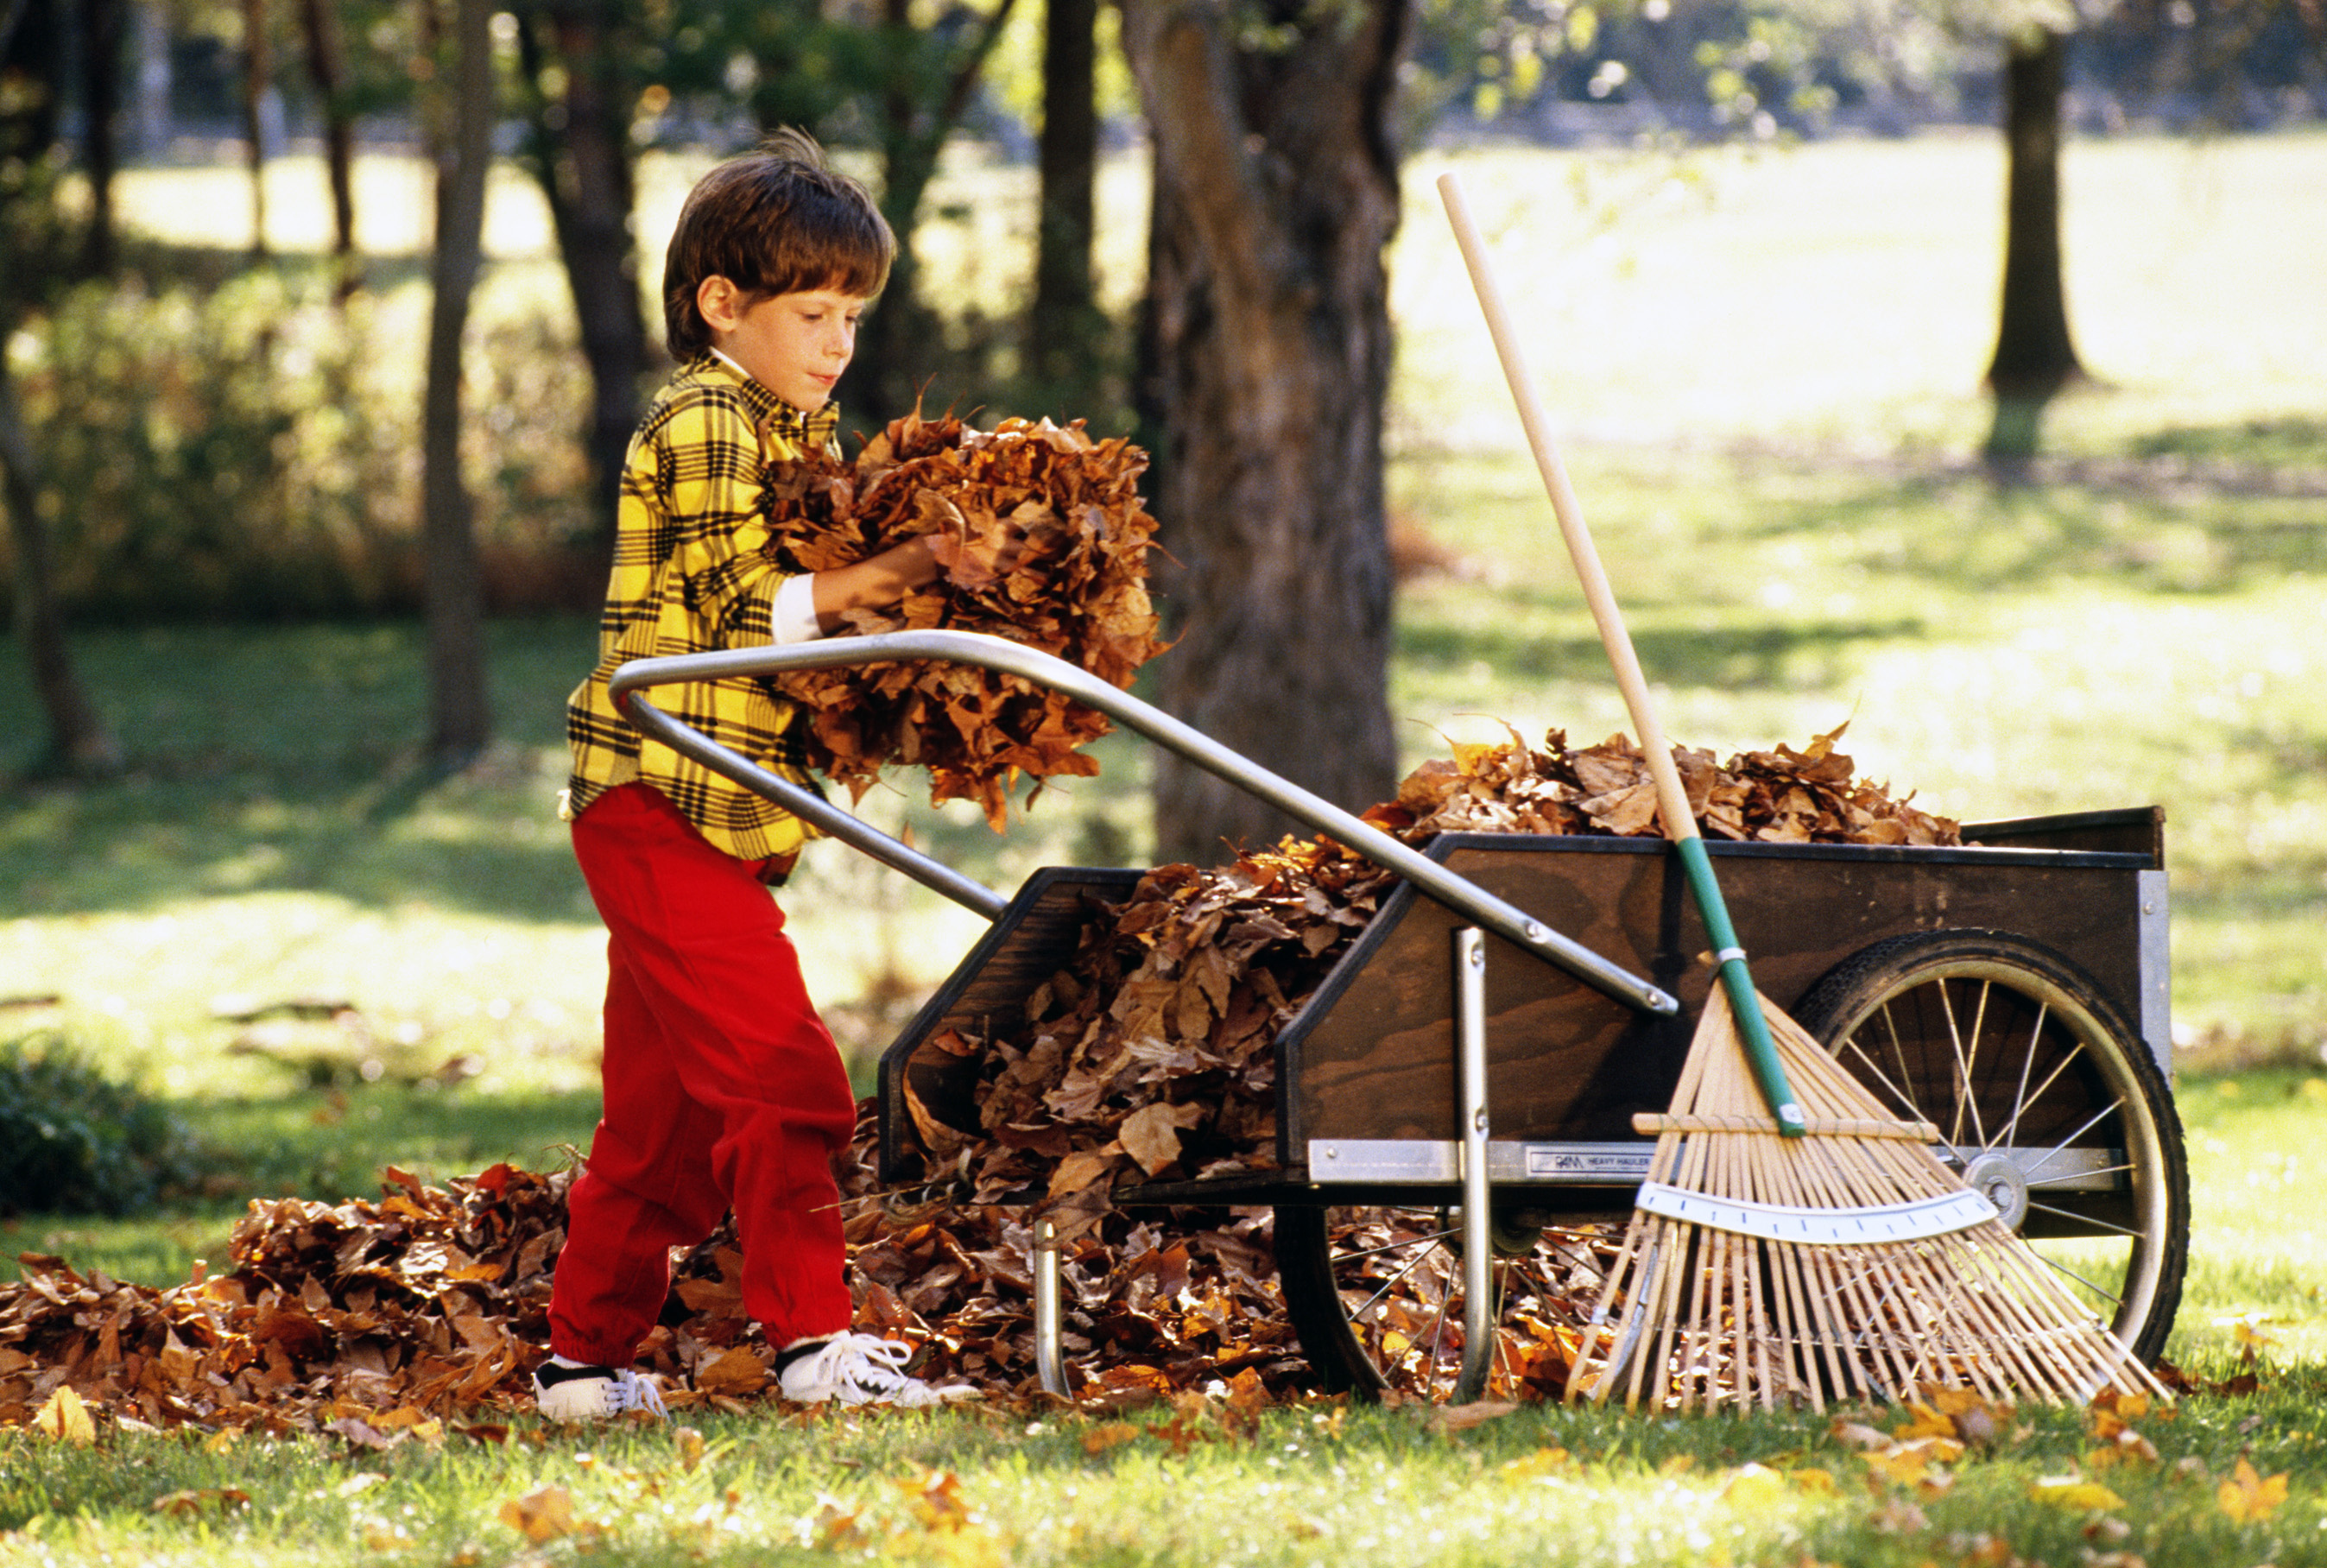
<point x="809" y="431"/>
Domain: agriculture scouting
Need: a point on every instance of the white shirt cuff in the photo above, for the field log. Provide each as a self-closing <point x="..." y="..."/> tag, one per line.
<point x="793" y="618"/>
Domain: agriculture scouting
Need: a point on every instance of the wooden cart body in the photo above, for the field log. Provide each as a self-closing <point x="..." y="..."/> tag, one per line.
<point x="1367" y="1104"/>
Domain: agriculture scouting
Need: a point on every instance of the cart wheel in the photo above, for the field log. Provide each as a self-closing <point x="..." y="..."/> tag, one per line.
<point x="1375" y="1294"/>
<point x="2053" y="1106"/>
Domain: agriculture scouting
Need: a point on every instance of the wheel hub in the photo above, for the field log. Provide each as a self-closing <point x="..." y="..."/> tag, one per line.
<point x="1997" y="1178"/>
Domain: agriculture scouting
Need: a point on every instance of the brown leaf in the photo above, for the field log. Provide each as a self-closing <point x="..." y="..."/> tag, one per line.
<point x="1150" y="1134"/>
<point x="1455" y="1418"/>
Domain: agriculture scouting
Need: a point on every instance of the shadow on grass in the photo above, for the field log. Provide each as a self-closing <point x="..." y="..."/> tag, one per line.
<point x="2292" y="442"/>
<point x="289" y="758"/>
<point x="1800" y="656"/>
<point x="1956" y="532"/>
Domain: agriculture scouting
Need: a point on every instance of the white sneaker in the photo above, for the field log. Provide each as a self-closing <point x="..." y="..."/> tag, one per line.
<point x="861" y="1369"/>
<point x="565" y="1390"/>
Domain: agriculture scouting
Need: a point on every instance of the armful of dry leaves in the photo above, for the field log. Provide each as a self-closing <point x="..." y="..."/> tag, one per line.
<point x="1074" y="585"/>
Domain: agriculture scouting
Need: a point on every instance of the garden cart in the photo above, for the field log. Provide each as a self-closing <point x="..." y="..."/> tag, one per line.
<point x="1456" y="1097"/>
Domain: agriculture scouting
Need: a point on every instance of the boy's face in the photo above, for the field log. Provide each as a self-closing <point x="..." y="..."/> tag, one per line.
<point x="795" y="344"/>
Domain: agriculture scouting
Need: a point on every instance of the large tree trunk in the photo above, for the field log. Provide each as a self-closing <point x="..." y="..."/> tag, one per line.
<point x="460" y="718"/>
<point x="1064" y="331"/>
<point x="79" y="742"/>
<point x="328" y="77"/>
<point x="581" y="162"/>
<point x="2035" y="356"/>
<point x="1276" y="194"/>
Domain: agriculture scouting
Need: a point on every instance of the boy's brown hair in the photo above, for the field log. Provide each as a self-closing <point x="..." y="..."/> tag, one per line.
<point x="771" y="221"/>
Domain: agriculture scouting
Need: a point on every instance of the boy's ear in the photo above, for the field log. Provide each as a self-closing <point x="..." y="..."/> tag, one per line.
<point x="720" y="302"/>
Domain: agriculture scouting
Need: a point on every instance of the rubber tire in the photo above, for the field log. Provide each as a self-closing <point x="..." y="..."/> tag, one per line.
<point x="1336" y="1352"/>
<point x="2116" y="1064"/>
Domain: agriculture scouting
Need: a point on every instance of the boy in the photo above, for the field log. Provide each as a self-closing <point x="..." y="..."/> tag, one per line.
<point x="722" y="1088"/>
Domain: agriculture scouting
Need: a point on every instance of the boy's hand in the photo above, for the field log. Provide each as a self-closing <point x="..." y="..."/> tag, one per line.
<point x="880" y="582"/>
<point x="951" y="553"/>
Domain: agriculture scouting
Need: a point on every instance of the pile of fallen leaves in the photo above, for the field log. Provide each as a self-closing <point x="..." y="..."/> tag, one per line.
<point x="1049" y="548"/>
<point x="381" y="1320"/>
<point x="1150" y="1051"/>
<point x="1150" y="1056"/>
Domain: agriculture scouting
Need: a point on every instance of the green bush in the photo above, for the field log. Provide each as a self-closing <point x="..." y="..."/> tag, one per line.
<point x="248" y="449"/>
<point x="74" y="1142"/>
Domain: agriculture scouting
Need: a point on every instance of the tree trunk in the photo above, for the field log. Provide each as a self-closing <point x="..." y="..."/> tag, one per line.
<point x="329" y="76"/>
<point x="79" y="742"/>
<point x="1064" y="332"/>
<point x="1276" y="195"/>
<point x="460" y="719"/>
<point x="2035" y="356"/>
<point x="581" y="158"/>
<point x="104" y="26"/>
<point x="255" y="71"/>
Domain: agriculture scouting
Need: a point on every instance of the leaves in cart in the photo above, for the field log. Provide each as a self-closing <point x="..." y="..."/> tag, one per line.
<point x="1167" y="1014"/>
<point x="1050" y="547"/>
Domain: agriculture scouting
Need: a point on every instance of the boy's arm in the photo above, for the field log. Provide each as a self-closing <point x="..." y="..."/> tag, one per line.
<point x="877" y="581"/>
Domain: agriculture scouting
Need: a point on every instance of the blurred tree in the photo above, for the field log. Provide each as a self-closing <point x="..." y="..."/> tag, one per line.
<point x="257" y="67"/>
<point x="32" y="248"/>
<point x="1066" y="331"/>
<point x="577" y="62"/>
<point x="327" y="74"/>
<point x="927" y="78"/>
<point x="1265" y="366"/>
<point x="2035" y="358"/>
<point x="459" y="111"/>
<point x="893" y="77"/>
<point x="104" y="27"/>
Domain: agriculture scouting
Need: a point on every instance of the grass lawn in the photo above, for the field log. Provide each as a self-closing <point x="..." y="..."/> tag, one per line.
<point x="1767" y="368"/>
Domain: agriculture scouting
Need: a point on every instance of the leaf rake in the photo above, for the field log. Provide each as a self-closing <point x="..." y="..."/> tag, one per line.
<point x="1790" y="1245"/>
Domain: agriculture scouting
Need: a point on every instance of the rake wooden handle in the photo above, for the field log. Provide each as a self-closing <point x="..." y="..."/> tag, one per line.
<point x="1672" y="798"/>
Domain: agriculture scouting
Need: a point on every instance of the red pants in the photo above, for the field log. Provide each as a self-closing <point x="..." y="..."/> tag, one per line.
<point x="722" y="1088"/>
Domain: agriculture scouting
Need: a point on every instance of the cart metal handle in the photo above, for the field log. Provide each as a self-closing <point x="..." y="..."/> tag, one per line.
<point x="631" y="682"/>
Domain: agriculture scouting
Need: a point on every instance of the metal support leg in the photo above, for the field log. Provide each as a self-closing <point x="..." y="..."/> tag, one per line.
<point x="1049" y="1360"/>
<point x="1478" y="1230"/>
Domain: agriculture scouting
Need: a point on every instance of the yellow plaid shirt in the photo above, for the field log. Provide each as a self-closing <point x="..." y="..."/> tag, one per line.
<point x="692" y="574"/>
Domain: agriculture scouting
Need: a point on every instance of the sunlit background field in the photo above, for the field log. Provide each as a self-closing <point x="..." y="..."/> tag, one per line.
<point x="1765" y="370"/>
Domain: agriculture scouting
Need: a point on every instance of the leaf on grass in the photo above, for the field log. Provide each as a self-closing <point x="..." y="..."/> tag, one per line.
<point x="1754" y="1488"/>
<point x="2247" y="1496"/>
<point x="2073" y="1493"/>
<point x="1111" y="1434"/>
<point x="936" y="1499"/>
<point x="1904" y="1464"/>
<point x="543" y="1514"/>
<point x="186" y="1505"/>
<point x="1536" y="1466"/>
<point x="65" y="1418"/>
<point x="1456" y="1418"/>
